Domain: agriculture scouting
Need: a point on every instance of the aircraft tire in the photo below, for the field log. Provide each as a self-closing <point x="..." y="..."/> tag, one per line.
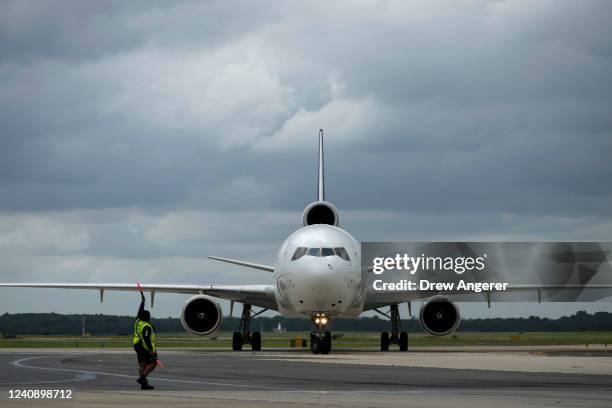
<point x="237" y="341"/>
<point x="315" y="345"/>
<point x="384" y="341"/>
<point x="256" y="341"/>
<point x="326" y="343"/>
<point x="403" y="341"/>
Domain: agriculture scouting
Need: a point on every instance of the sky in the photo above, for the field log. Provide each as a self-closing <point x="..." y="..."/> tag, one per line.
<point x="137" y="138"/>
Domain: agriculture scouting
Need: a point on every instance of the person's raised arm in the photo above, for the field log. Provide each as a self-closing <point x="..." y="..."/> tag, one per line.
<point x="142" y="303"/>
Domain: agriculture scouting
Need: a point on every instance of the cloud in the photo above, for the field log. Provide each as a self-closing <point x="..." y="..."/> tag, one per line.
<point x="31" y="233"/>
<point x="141" y="137"/>
<point x="351" y="119"/>
<point x="76" y="32"/>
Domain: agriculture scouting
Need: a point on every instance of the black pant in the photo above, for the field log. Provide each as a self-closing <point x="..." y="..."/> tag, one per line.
<point x="144" y="356"/>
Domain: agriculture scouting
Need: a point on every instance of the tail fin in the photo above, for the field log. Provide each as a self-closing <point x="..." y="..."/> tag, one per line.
<point x="320" y="211"/>
<point x="321" y="186"/>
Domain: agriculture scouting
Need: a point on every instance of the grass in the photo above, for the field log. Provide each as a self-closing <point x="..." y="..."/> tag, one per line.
<point x="341" y="340"/>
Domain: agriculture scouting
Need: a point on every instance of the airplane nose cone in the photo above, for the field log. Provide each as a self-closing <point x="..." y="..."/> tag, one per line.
<point x="323" y="268"/>
<point x="322" y="278"/>
<point x="320" y="289"/>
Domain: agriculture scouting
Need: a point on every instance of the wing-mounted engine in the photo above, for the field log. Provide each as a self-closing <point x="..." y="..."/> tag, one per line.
<point x="439" y="316"/>
<point x="201" y="315"/>
<point x="320" y="212"/>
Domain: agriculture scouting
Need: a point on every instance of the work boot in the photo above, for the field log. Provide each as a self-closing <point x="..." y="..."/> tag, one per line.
<point x="141" y="380"/>
<point x="146" y="387"/>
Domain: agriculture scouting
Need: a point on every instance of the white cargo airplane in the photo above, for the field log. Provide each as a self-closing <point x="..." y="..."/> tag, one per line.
<point x="317" y="275"/>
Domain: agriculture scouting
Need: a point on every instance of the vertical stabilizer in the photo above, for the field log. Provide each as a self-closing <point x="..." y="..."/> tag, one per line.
<point x="321" y="186"/>
<point x="320" y="211"/>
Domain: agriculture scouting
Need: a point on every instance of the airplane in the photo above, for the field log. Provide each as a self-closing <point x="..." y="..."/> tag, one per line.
<point x="317" y="275"/>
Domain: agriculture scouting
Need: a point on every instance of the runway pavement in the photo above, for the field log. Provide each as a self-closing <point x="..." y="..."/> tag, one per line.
<point x="295" y="379"/>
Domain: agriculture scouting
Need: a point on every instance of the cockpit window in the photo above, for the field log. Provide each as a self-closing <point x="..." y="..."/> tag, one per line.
<point x="314" y="251"/>
<point x="327" y="252"/>
<point x="299" y="252"/>
<point x="320" y="252"/>
<point x="341" y="252"/>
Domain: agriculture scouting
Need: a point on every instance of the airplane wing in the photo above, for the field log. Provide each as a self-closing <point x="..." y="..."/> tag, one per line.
<point x="243" y="263"/>
<point x="256" y="295"/>
<point x="376" y="299"/>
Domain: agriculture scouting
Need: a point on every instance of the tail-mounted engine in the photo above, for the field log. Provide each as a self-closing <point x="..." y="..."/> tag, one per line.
<point x="201" y="315"/>
<point x="439" y="316"/>
<point x="320" y="212"/>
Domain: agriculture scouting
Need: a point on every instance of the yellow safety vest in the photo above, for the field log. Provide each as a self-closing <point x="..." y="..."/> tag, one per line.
<point x="139" y="326"/>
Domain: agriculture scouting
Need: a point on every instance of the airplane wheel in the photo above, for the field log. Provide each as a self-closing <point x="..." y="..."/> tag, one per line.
<point x="326" y="343"/>
<point x="403" y="341"/>
<point x="315" y="345"/>
<point x="256" y="341"/>
<point x="237" y="341"/>
<point x="384" y="341"/>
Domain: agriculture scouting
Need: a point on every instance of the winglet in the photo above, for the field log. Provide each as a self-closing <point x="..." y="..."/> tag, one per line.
<point x="321" y="184"/>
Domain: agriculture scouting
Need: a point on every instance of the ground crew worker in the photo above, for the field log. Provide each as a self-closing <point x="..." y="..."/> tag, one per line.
<point x="144" y="344"/>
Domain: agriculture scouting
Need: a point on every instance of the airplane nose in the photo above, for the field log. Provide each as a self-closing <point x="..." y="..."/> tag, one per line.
<point x="322" y="277"/>
<point x="317" y="285"/>
<point x="322" y="269"/>
<point x="321" y="289"/>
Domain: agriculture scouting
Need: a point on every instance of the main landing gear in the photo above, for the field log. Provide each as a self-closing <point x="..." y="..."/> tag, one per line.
<point x="320" y="341"/>
<point x="245" y="336"/>
<point x="395" y="337"/>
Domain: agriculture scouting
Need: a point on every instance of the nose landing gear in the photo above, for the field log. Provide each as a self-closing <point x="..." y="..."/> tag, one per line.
<point x="320" y="342"/>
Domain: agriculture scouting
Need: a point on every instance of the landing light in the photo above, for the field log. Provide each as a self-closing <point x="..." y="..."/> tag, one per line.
<point x="320" y="319"/>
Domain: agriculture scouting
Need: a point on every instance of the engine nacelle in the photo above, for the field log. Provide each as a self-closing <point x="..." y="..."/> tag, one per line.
<point x="439" y="316"/>
<point x="320" y="212"/>
<point x="201" y="315"/>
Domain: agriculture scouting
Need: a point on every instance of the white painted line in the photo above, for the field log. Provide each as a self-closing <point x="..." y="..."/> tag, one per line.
<point x="90" y="375"/>
<point x="19" y="363"/>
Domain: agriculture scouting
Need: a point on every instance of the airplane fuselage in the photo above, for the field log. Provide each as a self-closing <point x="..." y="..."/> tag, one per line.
<point x="318" y="272"/>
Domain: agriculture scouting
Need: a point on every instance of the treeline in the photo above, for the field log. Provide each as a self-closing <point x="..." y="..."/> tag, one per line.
<point x="59" y="324"/>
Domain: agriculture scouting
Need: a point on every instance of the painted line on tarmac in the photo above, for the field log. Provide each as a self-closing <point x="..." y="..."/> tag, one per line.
<point x="19" y="363"/>
<point x="79" y="377"/>
<point x="86" y="375"/>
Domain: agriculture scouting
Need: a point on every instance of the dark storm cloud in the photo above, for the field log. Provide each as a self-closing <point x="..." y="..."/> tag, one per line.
<point x="486" y="106"/>
<point x="78" y="31"/>
<point x="138" y="137"/>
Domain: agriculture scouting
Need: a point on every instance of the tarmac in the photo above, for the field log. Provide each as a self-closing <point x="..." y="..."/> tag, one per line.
<point x="349" y="378"/>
